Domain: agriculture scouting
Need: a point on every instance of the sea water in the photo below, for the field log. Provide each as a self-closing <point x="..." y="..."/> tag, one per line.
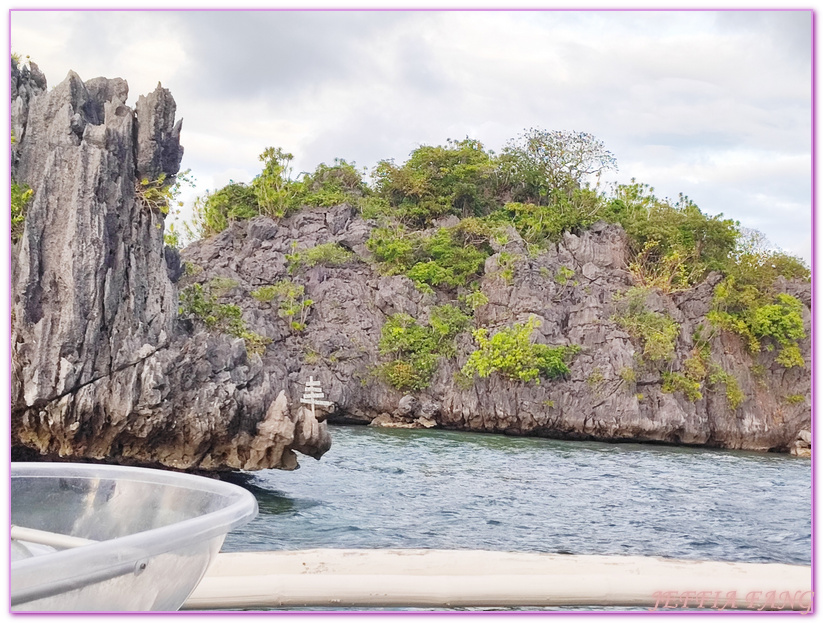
<point x="390" y="488"/>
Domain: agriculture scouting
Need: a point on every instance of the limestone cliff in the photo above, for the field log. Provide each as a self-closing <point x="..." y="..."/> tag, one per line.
<point x="101" y="368"/>
<point x="606" y="396"/>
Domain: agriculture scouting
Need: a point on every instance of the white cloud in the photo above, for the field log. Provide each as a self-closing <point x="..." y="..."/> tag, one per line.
<point x="714" y="104"/>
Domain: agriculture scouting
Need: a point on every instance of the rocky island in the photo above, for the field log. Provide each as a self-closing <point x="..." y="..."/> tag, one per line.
<point x="461" y="290"/>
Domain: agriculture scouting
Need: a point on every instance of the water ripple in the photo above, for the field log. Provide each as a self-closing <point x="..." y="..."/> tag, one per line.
<point x="442" y="489"/>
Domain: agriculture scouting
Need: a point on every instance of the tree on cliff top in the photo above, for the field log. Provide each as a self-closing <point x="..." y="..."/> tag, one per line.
<point x="540" y="162"/>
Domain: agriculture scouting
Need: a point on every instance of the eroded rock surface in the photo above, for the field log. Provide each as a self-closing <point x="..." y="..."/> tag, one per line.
<point x="600" y="399"/>
<point x="101" y="367"/>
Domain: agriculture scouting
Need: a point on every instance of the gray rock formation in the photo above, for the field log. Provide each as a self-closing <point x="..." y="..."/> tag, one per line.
<point x="606" y="396"/>
<point x="101" y="368"/>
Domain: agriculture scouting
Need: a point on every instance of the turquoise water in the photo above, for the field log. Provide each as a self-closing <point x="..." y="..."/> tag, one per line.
<point x="381" y="488"/>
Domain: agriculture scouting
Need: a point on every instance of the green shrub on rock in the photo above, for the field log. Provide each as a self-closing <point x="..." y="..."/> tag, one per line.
<point x="293" y="306"/>
<point x="755" y="315"/>
<point x="676" y="382"/>
<point x="233" y="202"/>
<point x="328" y="254"/>
<point x="417" y="348"/>
<point x="414" y="348"/>
<point x="657" y="331"/>
<point x="449" y="257"/>
<point x="511" y="353"/>
<point x="20" y="196"/>
<point x="199" y="303"/>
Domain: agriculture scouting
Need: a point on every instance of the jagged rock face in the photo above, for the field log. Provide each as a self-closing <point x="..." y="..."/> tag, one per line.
<point x="101" y="369"/>
<point x="339" y="345"/>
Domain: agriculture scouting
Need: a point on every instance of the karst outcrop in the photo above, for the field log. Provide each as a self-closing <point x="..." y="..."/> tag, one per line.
<point x="127" y="351"/>
<point x="575" y="289"/>
<point x="101" y="367"/>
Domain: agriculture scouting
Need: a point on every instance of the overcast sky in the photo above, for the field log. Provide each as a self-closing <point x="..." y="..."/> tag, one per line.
<point x="716" y="105"/>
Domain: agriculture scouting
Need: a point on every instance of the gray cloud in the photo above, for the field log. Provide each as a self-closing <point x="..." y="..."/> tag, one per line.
<point x="716" y="104"/>
<point x="279" y="54"/>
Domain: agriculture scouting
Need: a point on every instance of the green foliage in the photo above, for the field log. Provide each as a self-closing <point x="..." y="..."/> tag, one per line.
<point x="694" y="367"/>
<point x="197" y="302"/>
<point x="416" y="348"/>
<point x="782" y="321"/>
<point x="21" y="194"/>
<point x="668" y="273"/>
<point x="734" y="395"/>
<point x="563" y="275"/>
<point x="456" y="257"/>
<point x="540" y="224"/>
<point x="541" y="162"/>
<point x="699" y="369"/>
<point x="447" y="322"/>
<point x="506" y="261"/>
<point x="754" y="263"/>
<point x="190" y="269"/>
<point x="394" y="247"/>
<point x="171" y="237"/>
<point x="435" y="181"/>
<point x="328" y="254"/>
<point x="476" y="299"/>
<point x="450" y="257"/>
<point x="676" y="382"/>
<point x="274" y="189"/>
<point x="511" y="353"/>
<point x="221" y="286"/>
<point x="628" y="375"/>
<point x="332" y="185"/>
<point x="233" y="202"/>
<point x="755" y="314"/>
<point x="265" y="294"/>
<point x="293" y="306"/>
<point x="595" y="378"/>
<point x="657" y="331"/>
<point x="311" y="356"/>
<point x="795" y="399"/>
<point x="790" y="356"/>
<point x="162" y="194"/>
<point x="682" y="233"/>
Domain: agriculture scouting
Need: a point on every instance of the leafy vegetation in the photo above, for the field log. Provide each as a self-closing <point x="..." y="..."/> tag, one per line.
<point x="449" y="257"/>
<point x="332" y="185"/>
<point x="757" y="316"/>
<point x="21" y="194"/>
<point x="676" y="382"/>
<point x="657" y="331"/>
<point x="200" y="303"/>
<point x="699" y="371"/>
<point x="328" y="254"/>
<point x="457" y="178"/>
<point x="679" y="233"/>
<point x="563" y="275"/>
<point x="293" y="306"/>
<point x="163" y="193"/>
<point x="233" y="202"/>
<point x="540" y="185"/>
<point x="511" y="353"/>
<point x="541" y="163"/>
<point x="415" y="349"/>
